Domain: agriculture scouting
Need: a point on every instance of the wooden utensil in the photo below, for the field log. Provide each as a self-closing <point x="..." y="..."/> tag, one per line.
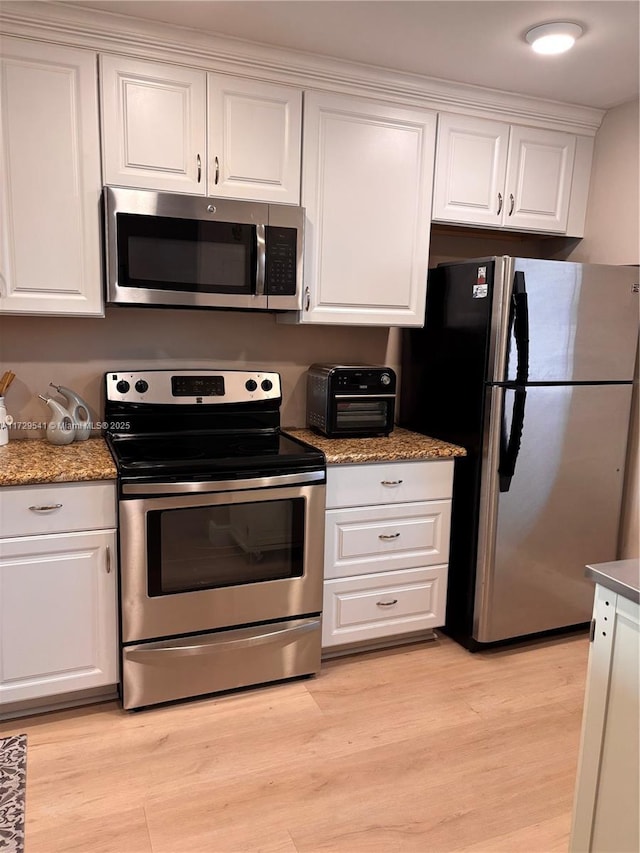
<point x="7" y="378"/>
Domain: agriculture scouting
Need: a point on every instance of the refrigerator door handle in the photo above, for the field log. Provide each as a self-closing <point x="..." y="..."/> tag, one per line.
<point x="510" y="448"/>
<point x="520" y="315"/>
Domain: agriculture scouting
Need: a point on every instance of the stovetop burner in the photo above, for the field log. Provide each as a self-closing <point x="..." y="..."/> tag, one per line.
<point x="161" y="425"/>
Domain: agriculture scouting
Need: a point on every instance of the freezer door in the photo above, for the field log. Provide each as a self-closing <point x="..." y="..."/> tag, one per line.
<point x="550" y="504"/>
<point x="582" y="321"/>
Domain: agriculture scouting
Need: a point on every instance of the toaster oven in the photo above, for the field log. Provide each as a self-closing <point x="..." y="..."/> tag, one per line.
<point x="350" y="401"/>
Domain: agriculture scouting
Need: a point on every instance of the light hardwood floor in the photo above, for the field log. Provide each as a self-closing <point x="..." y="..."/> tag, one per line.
<point x="419" y="748"/>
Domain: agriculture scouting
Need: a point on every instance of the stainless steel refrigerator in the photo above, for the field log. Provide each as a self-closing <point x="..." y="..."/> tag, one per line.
<point x="529" y="365"/>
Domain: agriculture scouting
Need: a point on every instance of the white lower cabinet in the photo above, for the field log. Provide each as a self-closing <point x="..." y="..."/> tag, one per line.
<point x="58" y="603"/>
<point x="386" y="561"/>
<point x="605" y="811"/>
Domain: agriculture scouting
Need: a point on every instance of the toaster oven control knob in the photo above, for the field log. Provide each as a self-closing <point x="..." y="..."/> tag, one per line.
<point x="385" y="379"/>
<point x="123" y="386"/>
<point x="142" y="386"/>
<point x="251" y="385"/>
<point x="266" y="385"/>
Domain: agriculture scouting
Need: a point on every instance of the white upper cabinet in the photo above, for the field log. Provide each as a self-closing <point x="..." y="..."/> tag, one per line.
<point x="499" y="175"/>
<point x="153" y="125"/>
<point x="366" y="187"/>
<point x="254" y="140"/>
<point x="156" y="134"/>
<point x="50" y="183"/>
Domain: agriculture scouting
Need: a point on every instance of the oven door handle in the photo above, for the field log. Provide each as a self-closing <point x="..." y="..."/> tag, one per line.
<point x="211" y="646"/>
<point x="186" y="487"/>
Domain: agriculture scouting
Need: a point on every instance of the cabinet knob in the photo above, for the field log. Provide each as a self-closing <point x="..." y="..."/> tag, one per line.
<point x="108" y="555"/>
<point x="499" y="203"/>
<point x="513" y="201"/>
<point x="217" y="162"/>
<point x="199" y="162"/>
<point x="47" y="508"/>
<point x="307" y="298"/>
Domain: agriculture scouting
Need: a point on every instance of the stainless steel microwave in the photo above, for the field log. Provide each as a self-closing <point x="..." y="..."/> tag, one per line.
<point x="186" y="251"/>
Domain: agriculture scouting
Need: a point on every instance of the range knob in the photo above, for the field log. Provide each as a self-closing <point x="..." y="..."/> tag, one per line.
<point x="123" y="386"/>
<point x="266" y="385"/>
<point x="142" y="386"/>
<point x="385" y="379"/>
<point x="251" y="385"/>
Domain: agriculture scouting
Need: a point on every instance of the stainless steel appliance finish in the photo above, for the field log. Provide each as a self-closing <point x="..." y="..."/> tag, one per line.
<point x="351" y="400"/>
<point x="528" y="364"/>
<point x="267" y="275"/>
<point x="221" y="532"/>
<point x="145" y="617"/>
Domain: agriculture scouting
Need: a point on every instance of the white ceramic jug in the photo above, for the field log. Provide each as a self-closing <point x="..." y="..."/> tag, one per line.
<point x="78" y="410"/>
<point x="60" y="429"/>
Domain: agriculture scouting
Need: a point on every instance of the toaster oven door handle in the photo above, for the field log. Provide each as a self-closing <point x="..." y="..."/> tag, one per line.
<point x="226" y="639"/>
<point x="261" y="255"/>
<point x="361" y="396"/>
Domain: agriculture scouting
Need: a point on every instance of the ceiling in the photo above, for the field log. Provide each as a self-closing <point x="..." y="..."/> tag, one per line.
<point x="468" y="41"/>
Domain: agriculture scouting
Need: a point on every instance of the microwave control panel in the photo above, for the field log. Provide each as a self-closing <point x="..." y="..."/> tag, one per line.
<point x="280" y="272"/>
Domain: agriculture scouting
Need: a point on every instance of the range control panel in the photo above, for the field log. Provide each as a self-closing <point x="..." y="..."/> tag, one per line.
<point x="206" y="387"/>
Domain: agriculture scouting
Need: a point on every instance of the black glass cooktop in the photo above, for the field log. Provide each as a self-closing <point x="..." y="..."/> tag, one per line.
<point x="212" y="454"/>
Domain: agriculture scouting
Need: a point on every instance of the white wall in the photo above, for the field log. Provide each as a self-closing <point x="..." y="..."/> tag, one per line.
<point x="612" y="236"/>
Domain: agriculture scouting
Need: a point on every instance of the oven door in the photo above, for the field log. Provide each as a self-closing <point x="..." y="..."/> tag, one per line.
<point x="165" y="249"/>
<point x="361" y="414"/>
<point x="208" y="560"/>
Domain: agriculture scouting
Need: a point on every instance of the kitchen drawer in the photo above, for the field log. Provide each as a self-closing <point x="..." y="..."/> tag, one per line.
<point x="57" y="508"/>
<point x="369" y="539"/>
<point x="388" y="482"/>
<point x="383" y="605"/>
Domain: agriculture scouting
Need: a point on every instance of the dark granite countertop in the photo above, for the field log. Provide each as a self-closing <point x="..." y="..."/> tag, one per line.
<point x="400" y="445"/>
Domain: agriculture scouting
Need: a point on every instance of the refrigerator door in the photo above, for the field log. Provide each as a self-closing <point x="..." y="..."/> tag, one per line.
<point x="582" y="321"/>
<point x="558" y="509"/>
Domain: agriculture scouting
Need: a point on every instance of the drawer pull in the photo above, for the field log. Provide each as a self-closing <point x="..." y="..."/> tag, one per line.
<point x="387" y="603"/>
<point x="388" y="535"/>
<point x="48" y="508"/>
<point x="108" y="555"/>
<point x="390" y="482"/>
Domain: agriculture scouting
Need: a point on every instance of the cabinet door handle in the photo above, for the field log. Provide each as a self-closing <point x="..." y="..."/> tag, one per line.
<point x="217" y="162"/>
<point x="48" y="508"/>
<point x="499" y="203"/>
<point x="307" y="298"/>
<point x="199" y="162"/>
<point x="388" y="535"/>
<point x="390" y="482"/>
<point x="387" y="603"/>
<point x="513" y="201"/>
<point x="108" y="560"/>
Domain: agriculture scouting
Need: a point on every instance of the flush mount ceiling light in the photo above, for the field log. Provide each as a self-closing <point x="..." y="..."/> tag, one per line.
<point x="553" y="38"/>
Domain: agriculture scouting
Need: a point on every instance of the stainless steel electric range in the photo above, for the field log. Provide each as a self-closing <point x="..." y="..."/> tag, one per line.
<point x="220" y="534"/>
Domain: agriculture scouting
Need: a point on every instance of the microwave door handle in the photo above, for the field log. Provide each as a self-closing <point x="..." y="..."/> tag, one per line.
<point x="260" y="259"/>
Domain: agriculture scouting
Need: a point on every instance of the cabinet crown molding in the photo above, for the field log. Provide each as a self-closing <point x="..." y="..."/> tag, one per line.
<point x="108" y="32"/>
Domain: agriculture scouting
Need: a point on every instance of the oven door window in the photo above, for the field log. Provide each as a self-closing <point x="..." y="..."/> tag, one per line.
<point x="218" y="546"/>
<point x="185" y="255"/>
<point x="354" y="414"/>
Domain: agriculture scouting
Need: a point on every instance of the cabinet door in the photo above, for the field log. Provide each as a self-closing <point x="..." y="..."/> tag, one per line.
<point x="254" y="140"/>
<point x="50" y="185"/>
<point x="471" y="163"/>
<point x="57" y="614"/>
<point x="153" y="125"/>
<point x="539" y="176"/>
<point x="366" y="187"/>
